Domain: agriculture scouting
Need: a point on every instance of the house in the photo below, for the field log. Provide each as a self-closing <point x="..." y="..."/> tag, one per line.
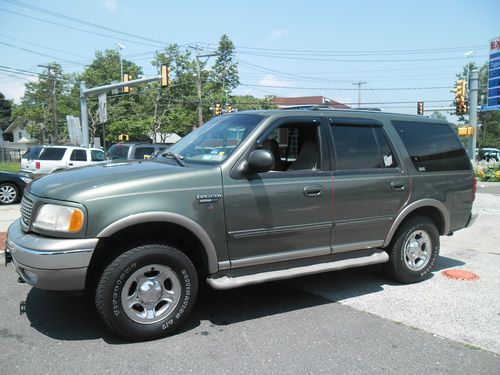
<point x="307" y="100"/>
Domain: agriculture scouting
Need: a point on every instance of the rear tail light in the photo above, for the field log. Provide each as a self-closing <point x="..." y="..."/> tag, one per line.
<point x="474" y="187"/>
<point x="37" y="165"/>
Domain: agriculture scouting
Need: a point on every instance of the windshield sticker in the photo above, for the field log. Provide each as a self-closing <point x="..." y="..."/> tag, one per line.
<point x="207" y="157"/>
<point x="221" y="153"/>
<point x="388" y="160"/>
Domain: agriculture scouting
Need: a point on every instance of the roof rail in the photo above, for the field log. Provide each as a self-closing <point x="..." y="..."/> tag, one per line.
<point x="306" y="107"/>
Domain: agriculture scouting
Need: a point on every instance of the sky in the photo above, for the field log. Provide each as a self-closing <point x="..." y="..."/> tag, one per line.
<point x="405" y="51"/>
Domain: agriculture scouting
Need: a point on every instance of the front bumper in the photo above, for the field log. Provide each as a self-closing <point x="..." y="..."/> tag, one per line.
<point x="49" y="263"/>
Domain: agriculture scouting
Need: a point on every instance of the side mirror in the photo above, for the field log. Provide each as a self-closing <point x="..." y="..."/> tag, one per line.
<point x="260" y="161"/>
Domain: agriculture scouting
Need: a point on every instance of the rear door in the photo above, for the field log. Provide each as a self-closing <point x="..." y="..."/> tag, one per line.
<point x="370" y="183"/>
<point x="78" y="158"/>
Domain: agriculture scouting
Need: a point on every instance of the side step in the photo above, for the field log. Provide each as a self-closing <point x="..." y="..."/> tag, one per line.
<point x="228" y="282"/>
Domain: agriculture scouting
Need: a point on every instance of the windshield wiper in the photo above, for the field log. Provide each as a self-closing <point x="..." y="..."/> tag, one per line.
<point x="178" y="158"/>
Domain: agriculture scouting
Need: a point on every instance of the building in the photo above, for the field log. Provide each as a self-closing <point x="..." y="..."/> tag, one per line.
<point x="307" y="100"/>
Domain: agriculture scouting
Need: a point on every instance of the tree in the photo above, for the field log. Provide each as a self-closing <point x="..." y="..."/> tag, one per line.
<point x="103" y="70"/>
<point x="35" y="109"/>
<point x="224" y="75"/>
<point x="5" y="112"/>
<point x="249" y="102"/>
<point x="438" y="115"/>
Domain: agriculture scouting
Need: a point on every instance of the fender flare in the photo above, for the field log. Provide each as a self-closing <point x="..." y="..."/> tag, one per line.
<point x="168" y="217"/>
<point x="414" y="206"/>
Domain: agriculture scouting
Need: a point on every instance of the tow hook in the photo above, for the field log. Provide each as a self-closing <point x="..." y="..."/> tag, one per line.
<point x="22" y="307"/>
<point x="8" y="257"/>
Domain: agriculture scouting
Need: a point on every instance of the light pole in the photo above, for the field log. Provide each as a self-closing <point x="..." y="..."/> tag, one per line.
<point x="120" y="47"/>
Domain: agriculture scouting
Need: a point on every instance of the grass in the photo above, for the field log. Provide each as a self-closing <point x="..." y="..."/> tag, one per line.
<point x="10" y="166"/>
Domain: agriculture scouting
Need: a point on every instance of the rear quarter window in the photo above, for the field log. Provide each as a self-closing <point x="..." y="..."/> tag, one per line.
<point x="52" y="153"/>
<point x="433" y="147"/>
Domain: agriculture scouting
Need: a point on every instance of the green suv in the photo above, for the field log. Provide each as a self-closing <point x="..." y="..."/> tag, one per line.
<point x="247" y="198"/>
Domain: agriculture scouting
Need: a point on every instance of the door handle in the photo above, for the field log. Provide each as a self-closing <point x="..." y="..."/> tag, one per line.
<point x="398" y="185"/>
<point x="313" y="191"/>
<point x="70" y="164"/>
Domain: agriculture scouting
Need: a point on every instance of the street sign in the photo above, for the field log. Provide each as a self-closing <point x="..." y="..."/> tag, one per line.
<point x="494" y="76"/>
<point x="103" y="110"/>
<point x="74" y="130"/>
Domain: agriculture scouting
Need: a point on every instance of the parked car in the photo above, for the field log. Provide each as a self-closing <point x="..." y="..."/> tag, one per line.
<point x="11" y="187"/>
<point x="490" y="153"/>
<point x="247" y="198"/>
<point x="56" y="158"/>
<point x="134" y="151"/>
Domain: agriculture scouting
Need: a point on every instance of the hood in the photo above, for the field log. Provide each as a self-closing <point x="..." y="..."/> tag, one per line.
<point x="80" y="184"/>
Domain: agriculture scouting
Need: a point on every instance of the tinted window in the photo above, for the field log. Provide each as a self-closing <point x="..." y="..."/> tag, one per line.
<point x="118" y="151"/>
<point x="140" y="152"/>
<point x="97" y="155"/>
<point x="79" y="155"/>
<point x="52" y="153"/>
<point x="432" y="146"/>
<point x="32" y="152"/>
<point x="361" y="147"/>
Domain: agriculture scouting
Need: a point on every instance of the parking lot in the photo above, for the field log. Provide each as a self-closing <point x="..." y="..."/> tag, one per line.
<point x="352" y="321"/>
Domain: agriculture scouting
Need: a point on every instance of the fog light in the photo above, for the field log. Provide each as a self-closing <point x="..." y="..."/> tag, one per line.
<point x="31" y="277"/>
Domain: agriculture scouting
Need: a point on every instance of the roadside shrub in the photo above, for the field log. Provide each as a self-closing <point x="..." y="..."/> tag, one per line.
<point x="487" y="171"/>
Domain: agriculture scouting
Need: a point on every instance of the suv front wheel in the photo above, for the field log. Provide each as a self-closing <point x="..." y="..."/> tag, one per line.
<point x="414" y="250"/>
<point x="147" y="292"/>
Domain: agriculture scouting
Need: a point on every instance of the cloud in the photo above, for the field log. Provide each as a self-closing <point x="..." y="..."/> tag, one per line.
<point x="14" y="89"/>
<point x="271" y="80"/>
<point x="110" y="5"/>
<point x="277" y="34"/>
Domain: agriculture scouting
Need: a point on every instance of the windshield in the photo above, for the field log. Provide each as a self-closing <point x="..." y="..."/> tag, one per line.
<point x="118" y="151"/>
<point x="216" y="139"/>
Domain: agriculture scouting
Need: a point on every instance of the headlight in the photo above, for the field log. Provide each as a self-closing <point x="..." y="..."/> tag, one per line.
<point x="26" y="179"/>
<point x="59" y="218"/>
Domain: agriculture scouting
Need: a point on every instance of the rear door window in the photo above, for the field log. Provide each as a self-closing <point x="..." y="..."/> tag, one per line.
<point x="140" y="152"/>
<point x="432" y="146"/>
<point x="79" y="155"/>
<point x="361" y="147"/>
<point x="53" y="153"/>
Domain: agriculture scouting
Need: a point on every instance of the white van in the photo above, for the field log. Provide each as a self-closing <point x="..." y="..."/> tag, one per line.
<point x="55" y="158"/>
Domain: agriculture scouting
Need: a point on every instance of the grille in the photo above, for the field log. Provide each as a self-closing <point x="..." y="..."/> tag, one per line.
<point x="26" y="208"/>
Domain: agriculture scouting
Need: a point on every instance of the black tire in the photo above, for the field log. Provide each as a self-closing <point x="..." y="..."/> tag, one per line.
<point x="144" y="266"/>
<point x="406" y="263"/>
<point x="9" y="193"/>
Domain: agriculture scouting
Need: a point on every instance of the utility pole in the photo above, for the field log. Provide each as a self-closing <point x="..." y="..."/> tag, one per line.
<point x="51" y="81"/>
<point x="198" y="82"/>
<point x="473" y="100"/>
<point x="359" y="83"/>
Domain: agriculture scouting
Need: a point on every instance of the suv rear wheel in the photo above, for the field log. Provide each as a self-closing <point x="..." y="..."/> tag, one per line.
<point x="414" y="250"/>
<point x="147" y="292"/>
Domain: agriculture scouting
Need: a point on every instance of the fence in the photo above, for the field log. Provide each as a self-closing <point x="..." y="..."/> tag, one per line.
<point x="11" y="154"/>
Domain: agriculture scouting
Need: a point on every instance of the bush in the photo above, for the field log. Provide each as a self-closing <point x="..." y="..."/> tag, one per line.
<point x="487" y="171"/>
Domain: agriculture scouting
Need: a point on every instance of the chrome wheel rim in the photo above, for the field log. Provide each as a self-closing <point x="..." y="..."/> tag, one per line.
<point x="151" y="293"/>
<point x="417" y="250"/>
<point x="8" y="194"/>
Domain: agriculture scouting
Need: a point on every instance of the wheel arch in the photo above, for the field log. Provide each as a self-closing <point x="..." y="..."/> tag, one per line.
<point x="153" y="227"/>
<point x="431" y="208"/>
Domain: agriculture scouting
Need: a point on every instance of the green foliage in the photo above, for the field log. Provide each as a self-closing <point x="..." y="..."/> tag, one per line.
<point x="10" y="166"/>
<point x="487" y="171"/>
<point x="224" y="75"/>
<point x="5" y="112"/>
<point x="249" y="102"/>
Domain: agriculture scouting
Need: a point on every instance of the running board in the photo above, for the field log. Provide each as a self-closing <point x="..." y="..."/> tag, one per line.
<point x="229" y="282"/>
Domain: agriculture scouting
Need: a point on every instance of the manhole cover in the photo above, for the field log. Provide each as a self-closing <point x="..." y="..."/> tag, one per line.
<point x="460" y="275"/>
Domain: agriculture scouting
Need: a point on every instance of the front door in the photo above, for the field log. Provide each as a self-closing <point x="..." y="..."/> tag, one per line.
<point x="285" y="213"/>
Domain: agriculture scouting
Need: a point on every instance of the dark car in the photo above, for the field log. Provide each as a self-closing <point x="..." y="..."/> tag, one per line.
<point x="11" y="187"/>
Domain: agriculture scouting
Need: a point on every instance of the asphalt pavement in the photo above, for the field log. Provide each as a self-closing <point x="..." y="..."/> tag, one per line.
<point x="352" y="322"/>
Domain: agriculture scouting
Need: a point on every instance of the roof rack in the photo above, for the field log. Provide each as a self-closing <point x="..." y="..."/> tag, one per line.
<point x="306" y="107"/>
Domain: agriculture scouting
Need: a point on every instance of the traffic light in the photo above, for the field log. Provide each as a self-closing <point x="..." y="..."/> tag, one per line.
<point x="165" y="76"/>
<point x="420" y="108"/>
<point x="460" y="104"/>
<point x="229" y="108"/>
<point x="126" y="78"/>
<point x="465" y="131"/>
<point x="218" y="110"/>
<point x="123" y="137"/>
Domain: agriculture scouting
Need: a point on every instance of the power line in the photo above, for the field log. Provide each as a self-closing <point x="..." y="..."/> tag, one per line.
<point x="77" y="28"/>
<point x="40" y="53"/>
<point x="350" y="89"/>
<point x="74" y="19"/>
